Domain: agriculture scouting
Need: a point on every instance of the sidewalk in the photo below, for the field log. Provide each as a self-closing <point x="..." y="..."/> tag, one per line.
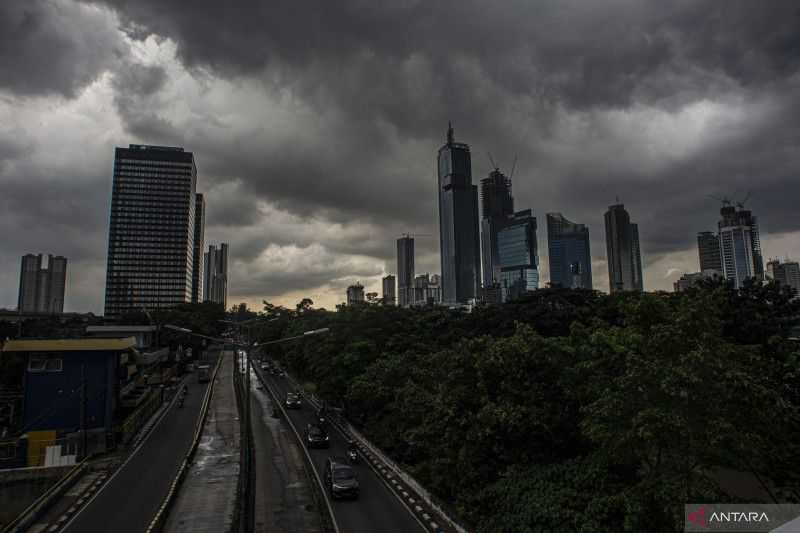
<point x="206" y="500"/>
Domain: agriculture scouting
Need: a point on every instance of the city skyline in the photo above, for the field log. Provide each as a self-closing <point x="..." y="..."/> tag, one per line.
<point x="678" y="116"/>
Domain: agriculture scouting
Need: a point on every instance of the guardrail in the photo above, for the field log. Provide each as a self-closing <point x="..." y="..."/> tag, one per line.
<point x="159" y="520"/>
<point x="27" y="517"/>
<point x="307" y="456"/>
<point x="350" y="432"/>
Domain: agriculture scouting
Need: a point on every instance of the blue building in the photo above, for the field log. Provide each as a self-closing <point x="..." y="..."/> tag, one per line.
<point x="519" y="255"/>
<point x="569" y="254"/>
<point x="70" y="385"/>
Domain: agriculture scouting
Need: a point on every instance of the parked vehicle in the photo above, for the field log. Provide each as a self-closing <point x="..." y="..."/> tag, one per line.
<point x="341" y="479"/>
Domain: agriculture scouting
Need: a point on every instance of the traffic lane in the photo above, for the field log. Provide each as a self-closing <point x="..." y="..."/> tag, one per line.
<point x="377" y="508"/>
<point x="284" y="499"/>
<point x="130" y="500"/>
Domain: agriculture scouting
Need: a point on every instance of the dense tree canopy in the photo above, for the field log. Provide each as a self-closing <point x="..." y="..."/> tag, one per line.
<point x="571" y="410"/>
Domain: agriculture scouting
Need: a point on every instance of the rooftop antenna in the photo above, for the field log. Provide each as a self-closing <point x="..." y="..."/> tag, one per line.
<point x="514" y="166"/>
<point x="449" y="132"/>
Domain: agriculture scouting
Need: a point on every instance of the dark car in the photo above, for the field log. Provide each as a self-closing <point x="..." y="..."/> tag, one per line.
<point x="292" y="400"/>
<point x="316" y="437"/>
<point x="340" y="478"/>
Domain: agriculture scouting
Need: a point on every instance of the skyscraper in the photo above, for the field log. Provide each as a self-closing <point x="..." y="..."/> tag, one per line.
<point x="458" y="223"/>
<point x="216" y="275"/>
<point x="389" y="297"/>
<point x="740" y="245"/>
<point x="41" y="289"/>
<point x="197" y="256"/>
<point x="497" y="205"/>
<point x="622" y="249"/>
<point x="518" y="255"/>
<point x="570" y="256"/>
<point x="355" y="294"/>
<point x="787" y="274"/>
<point x="708" y="250"/>
<point x="152" y="230"/>
<point x="405" y="271"/>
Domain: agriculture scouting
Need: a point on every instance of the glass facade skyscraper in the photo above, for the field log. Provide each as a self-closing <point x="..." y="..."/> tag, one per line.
<point x="497" y="205"/>
<point x="740" y="245"/>
<point x="197" y="257"/>
<point x="459" y="237"/>
<point x="405" y="271"/>
<point x="216" y="275"/>
<point x="622" y="248"/>
<point x="518" y="255"/>
<point x="708" y="251"/>
<point x="569" y="253"/>
<point x="152" y="229"/>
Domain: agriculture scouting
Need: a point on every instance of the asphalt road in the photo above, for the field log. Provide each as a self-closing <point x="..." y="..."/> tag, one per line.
<point x="128" y="502"/>
<point x="377" y="509"/>
<point x="284" y="502"/>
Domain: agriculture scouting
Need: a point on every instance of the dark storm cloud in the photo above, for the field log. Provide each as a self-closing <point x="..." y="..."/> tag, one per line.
<point x="493" y="67"/>
<point x="134" y="87"/>
<point x="50" y="47"/>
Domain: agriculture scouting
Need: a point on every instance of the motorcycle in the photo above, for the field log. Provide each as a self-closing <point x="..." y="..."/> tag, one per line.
<point x="352" y="455"/>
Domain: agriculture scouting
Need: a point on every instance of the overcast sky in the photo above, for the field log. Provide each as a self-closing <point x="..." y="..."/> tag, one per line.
<point x="315" y="125"/>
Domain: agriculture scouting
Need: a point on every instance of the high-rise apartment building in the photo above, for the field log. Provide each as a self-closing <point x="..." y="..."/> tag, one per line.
<point x="405" y="271"/>
<point x="518" y="255"/>
<point x="389" y="294"/>
<point x="197" y="254"/>
<point x="458" y="223"/>
<point x="152" y="229"/>
<point x="497" y="205"/>
<point x="787" y="273"/>
<point x="708" y="251"/>
<point x="740" y="245"/>
<point x="569" y="253"/>
<point x="355" y="294"/>
<point x="41" y="289"/>
<point x="623" y="252"/>
<point x="215" y="263"/>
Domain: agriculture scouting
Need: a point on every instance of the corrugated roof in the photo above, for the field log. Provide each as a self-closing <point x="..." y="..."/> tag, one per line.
<point x="69" y="345"/>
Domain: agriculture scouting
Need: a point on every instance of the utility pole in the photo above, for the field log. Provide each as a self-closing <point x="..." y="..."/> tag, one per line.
<point x="84" y="439"/>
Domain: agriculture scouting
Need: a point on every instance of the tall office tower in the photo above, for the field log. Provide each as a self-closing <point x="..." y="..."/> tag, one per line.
<point x="41" y="289"/>
<point x="215" y="263"/>
<point x="708" y="250"/>
<point x="405" y="271"/>
<point x="435" y="288"/>
<point x="197" y="254"/>
<point x="458" y="223"/>
<point x="622" y="249"/>
<point x="389" y="297"/>
<point x="569" y="254"/>
<point x="497" y="205"/>
<point x="355" y="294"/>
<point x="519" y="256"/>
<point x="787" y="273"/>
<point x="740" y="245"/>
<point x="421" y="283"/>
<point x="151" y="235"/>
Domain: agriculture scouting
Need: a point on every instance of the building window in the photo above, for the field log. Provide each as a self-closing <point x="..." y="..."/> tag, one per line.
<point x="45" y="363"/>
